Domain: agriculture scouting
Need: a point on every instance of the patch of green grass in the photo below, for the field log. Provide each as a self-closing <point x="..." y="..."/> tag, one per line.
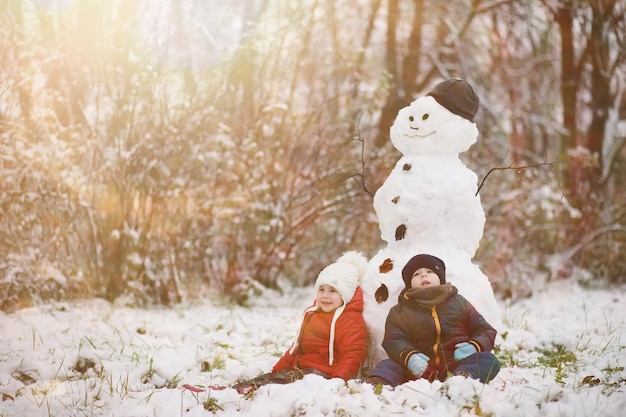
<point x="507" y="358"/>
<point x="147" y="376"/>
<point x="558" y="357"/>
<point x="211" y="404"/>
<point x="611" y="370"/>
<point x="474" y="408"/>
<point x="218" y="363"/>
<point x="172" y="382"/>
<point x="342" y="412"/>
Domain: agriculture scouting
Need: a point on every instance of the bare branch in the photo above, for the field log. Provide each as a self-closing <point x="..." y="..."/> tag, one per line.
<point x="361" y="177"/>
<point x="516" y="168"/>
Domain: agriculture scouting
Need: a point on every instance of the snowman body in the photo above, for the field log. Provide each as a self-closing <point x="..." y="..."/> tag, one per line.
<point x="428" y="204"/>
<point x="430" y="198"/>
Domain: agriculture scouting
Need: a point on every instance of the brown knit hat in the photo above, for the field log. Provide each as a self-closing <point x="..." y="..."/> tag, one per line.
<point x="457" y="96"/>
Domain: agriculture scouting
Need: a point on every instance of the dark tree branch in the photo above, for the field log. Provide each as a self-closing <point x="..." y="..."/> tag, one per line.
<point x="516" y="168"/>
<point x="361" y="176"/>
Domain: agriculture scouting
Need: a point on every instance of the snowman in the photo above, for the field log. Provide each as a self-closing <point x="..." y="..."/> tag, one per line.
<point x="429" y="204"/>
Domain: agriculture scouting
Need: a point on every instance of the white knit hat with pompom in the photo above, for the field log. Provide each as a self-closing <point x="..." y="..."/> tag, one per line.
<point x="344" y="275"/>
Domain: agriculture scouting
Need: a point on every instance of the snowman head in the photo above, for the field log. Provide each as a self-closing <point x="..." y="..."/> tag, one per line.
<point x="439" y="123"/>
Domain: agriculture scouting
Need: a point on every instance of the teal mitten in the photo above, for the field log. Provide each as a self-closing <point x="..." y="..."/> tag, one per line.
<point x="463" y="350"/>
<point x="417" y="363"/>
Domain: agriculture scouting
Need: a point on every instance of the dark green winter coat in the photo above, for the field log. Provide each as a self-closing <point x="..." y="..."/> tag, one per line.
<point x="432" y="321"/>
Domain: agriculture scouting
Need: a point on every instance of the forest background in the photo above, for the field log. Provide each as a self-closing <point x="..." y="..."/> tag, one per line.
<point x="158" y="151"/>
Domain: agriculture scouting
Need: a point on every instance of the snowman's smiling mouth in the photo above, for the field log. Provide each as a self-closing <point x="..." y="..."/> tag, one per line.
<point x="420" y="136"/>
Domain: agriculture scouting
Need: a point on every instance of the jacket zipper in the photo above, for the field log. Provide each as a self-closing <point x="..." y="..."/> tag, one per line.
<point x="438" y="340"/>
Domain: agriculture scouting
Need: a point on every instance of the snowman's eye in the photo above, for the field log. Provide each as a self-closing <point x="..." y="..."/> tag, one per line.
<point x="425" y="116"/>
<point x="411" y="118"/>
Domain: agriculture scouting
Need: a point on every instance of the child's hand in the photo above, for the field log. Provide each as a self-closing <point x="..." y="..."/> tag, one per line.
<point x="417" y="363"/>
<point x="463" y="350"/>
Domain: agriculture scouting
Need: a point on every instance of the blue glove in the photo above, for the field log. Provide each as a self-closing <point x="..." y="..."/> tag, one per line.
<point x="463" y="350"/>
<point x="417" y="363"/>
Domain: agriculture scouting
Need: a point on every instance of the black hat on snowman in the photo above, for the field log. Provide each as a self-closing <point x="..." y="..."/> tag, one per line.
<point x="457" y="96"/>
<point x="423" y="261"/>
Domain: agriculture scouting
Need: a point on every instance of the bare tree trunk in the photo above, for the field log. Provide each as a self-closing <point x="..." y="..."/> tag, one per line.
<point x="600" y="76"/>
<point x="410" y="64"/>
<point x="589" y="185"/>
<point x="569" y="75"/>
<point x="392" y="104"/>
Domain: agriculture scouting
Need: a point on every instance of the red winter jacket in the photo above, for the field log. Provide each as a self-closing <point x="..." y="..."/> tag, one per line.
<point x="350" y="347"/>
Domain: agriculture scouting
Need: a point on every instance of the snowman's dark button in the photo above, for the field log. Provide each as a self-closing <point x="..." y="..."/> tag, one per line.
<point x="395" y="199"/>
<point x="386" y="266"/>
<point x="381" y="294"/>
<point x="406" y="167"/>
<point x="400" y="232"/>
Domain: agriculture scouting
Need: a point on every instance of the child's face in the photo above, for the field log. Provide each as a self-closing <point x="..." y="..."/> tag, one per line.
<point x="424" y="277"/>
<point x="328" y="298"/>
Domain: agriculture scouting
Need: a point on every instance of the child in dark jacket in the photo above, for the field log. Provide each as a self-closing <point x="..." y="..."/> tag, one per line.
<point x="332" y="339"/>
<point x="433" y="331"/>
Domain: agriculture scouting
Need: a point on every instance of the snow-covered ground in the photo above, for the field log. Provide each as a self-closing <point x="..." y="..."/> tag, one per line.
<point x="563" y="351"/>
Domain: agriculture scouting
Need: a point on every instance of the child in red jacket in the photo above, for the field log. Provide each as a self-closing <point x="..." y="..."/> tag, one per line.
<point x="433" y="331"/>
<point x="332" y="339"/>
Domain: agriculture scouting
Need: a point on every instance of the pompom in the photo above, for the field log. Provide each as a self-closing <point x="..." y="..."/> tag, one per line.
<point x="357" y="259"/>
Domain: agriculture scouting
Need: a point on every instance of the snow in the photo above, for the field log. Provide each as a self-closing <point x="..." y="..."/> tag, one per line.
<point x="135" y="362"/>
<point x="562" y="350"/>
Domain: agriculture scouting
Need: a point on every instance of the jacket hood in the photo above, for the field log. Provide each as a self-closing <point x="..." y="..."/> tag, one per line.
<point x="356" y="304"/>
